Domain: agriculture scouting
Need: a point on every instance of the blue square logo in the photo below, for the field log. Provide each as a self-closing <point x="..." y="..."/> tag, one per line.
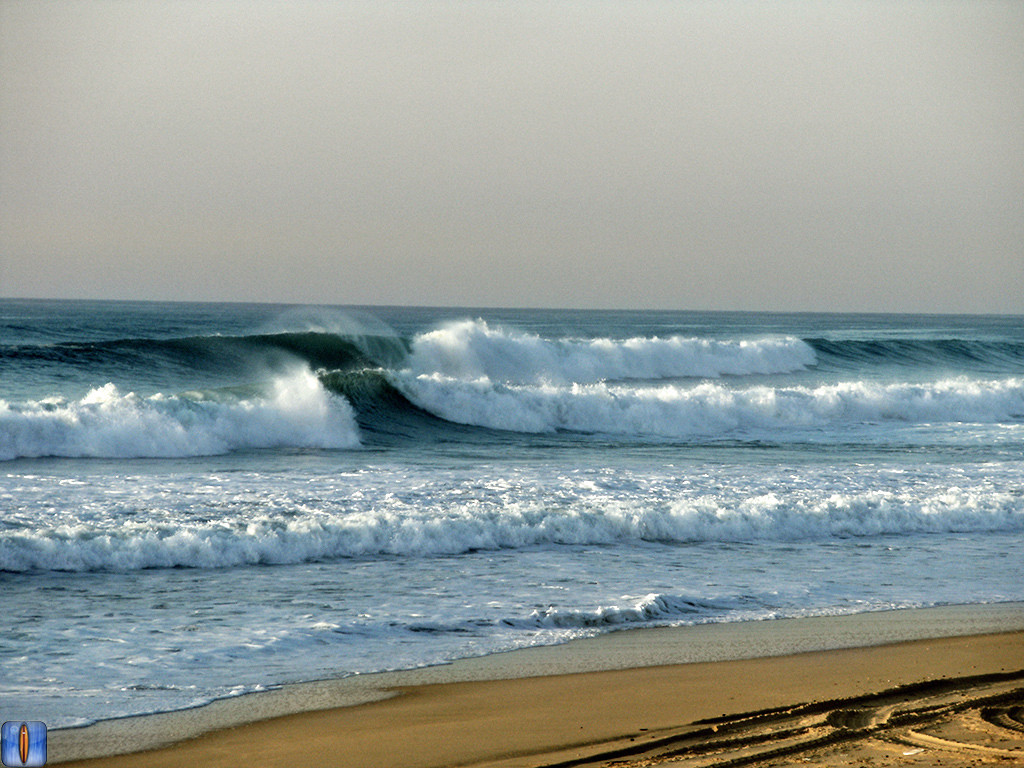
<point x="23" y="744"/>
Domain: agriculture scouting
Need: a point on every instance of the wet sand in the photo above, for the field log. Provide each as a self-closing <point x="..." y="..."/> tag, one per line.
<point x="839" y="691"/>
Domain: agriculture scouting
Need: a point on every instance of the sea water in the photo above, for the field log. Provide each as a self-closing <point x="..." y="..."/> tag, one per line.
<point x="200" y="500"/>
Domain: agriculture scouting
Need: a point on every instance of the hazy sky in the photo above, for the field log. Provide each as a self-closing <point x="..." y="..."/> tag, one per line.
<point x="726" y="155"/>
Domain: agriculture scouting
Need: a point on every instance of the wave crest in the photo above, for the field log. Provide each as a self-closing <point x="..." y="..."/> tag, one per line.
<point x="472" y="350"/>
<point x="710" y="408"/>
<point x="296" y="412"/>
<point x="410" y="529"/>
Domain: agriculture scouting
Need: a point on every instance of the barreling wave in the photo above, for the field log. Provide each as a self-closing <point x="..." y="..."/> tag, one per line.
<point x="473" y="350"/>
<point x="470" y="374"/>
<point x="709" y="408"/>
<point x="448" y="527"/>
<point x="317" y="349"/>
<point x="295" y="412"/>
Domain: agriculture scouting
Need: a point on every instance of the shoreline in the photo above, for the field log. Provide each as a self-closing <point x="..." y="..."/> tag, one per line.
<point x="647" y="654"/>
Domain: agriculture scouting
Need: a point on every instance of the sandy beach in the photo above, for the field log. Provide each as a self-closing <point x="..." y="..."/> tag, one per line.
<point x="954" y="700"/>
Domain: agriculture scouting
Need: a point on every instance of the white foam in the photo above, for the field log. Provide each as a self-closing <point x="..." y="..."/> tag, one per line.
<point x="81" y="540"/>
<point x="472" y="349"/>
<point x="708" y="408"/>
<point x="297" y="411"/>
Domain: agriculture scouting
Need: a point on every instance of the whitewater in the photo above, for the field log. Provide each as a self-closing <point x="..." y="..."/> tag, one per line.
<point x="200" y="500"/>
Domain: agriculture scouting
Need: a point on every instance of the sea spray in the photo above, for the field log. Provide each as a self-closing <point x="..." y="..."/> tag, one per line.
<point x="295" y="411"/>
<point x="474" y="350"/>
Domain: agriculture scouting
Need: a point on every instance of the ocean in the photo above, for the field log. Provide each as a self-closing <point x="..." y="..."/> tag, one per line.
<point x="203" y="500"/>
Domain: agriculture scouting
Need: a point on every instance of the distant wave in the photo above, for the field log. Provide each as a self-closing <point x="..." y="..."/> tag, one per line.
<point x="296" y="411"/>
<point x="471" y="374"/>
<point x="473" y="350"/>
<point x="453" y="527"/>
<point x="952" y="354"/>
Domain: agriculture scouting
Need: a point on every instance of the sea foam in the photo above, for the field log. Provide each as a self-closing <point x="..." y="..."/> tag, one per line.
<point x="272" y="530"/>
<point x="708" y="408"/>
<point x="296" y="411"/>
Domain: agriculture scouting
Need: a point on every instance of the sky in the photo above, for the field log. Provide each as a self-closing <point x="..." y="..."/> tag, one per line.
<point x="783" y="156"/>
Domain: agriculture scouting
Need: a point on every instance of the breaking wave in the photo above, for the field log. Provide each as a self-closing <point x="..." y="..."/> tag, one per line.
<point x="296" y="412"/>
<point x="314" y="348"/>
<point x="710" y="408"/>
<point x="447" y="526"/>
<point x="470" y="374"/>
<point x="473" y="350"/>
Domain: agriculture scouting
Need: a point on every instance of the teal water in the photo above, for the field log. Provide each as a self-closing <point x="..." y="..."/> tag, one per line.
<point x="200" y="500"/>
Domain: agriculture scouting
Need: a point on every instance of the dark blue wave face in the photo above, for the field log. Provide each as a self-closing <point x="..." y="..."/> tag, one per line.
<point x="66" y="348"/>
<point x="953" y="355"/>
<point x="194" y="360"/>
